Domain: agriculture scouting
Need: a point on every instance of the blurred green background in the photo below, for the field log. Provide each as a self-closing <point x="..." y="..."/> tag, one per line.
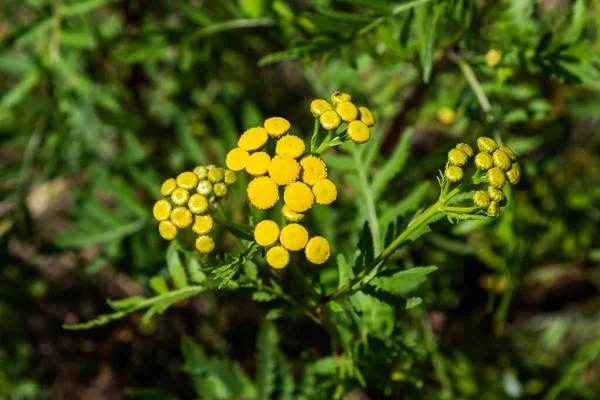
<point x="101" y="100"/>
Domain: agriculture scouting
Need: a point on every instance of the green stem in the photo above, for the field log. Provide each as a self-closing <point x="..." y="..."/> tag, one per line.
<point x="473" y="82"/>
<point x="460" y="210"/>
<point x="370" y="201"/>
<point x="325" y="144"/>
<point x="313" y="140"/>
<point x="292" y="300"/>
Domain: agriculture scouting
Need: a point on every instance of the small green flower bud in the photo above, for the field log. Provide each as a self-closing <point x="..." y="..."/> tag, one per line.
<point x="509" y="152"/>
<point x="468" y="150"/>
<point x="457" y="157"/>
<point x="496" y="194"/>
<point x="220" y="189"/>
<point x="514" y="173"/>
<point x="230" y="177"/>
<point x="493" y="210"/>
<point x="201" y="172"/>
<point x="215" y="174"/>
<point x="453" y="173"/>
<point x="484" y="161"/>
<point x="501" y="160"/>
<point x="496" y="177"/>
<point x="486" y="144"/>
<point x="205" y="187"/>
<point x="481" y="199"/>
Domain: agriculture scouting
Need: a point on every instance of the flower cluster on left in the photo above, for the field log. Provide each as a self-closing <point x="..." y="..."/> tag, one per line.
<point x="187" y="204"/>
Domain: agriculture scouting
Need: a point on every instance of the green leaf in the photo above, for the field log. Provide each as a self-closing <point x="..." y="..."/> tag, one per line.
<point x="252" y="8"/>
<point x="263" y="296"/>
<point x="230" y="25"/>
<point x="241" y="231"/>
<point x="403" y="282"/>
<point x="228" y="270"/>
<point x="82" y="240"/>
<point x="365" y="245"/>
<point x="176" y="269"/>
<point x="427" y="48"/>
<point x="16" y="94"/>
<point x="194" y="270"/>
<point x="405" y="206"/>
<point x="394" y="165"/>
<point x="123" y="304"/>
<point x="82" y="7"/>
<point x="80" y="39"/>
<point x="319" y="44"/>
<point x="159" y="285"/>
<point x="413" y="302"/>
<point x="578" y="18"/>
<point x="380" y="6"/>
<point x="343" y="16"/>
<point x="338" y="162"/>
<point x="274" y="314"/>
<point x="267" y="342"/>
<point x="285" y="377"/>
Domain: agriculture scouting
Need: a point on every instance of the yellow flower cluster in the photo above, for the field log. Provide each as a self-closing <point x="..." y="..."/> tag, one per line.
<point x="187" y="208"/>
<point x="359" y="119"/>
<point x="293" y="237"/>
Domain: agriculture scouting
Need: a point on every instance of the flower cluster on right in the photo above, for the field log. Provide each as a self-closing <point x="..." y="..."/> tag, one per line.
<point x="499" y="164"/>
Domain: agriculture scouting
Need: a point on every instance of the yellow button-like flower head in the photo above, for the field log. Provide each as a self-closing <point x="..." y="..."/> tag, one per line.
<point x="493" y="57"/>
<point x="330" y="120"/>
<point x="284" y="170"/>
<point x="205" y="187"/>
<point x="514" y="173"/>
<point x="317" y="250"/>
<point x="496" y="195"/>
<point x="203" y="224"/>
<point x="453" y="173"/>
<point x="298" y="197"/>
<point x="457" y="157"/>
<point x="468" y="150"/>
<point x="253" y="139"/>
<point x="277" y="126"/>
<point x="230" y="177"/>
<point x="258" y="163"/>
<point x="278" y="257"/>
<point x="187" y="180"/>
<point x="294" y="237"/>
<point x="359" y="132"/>
<point x="291" y="146"/>
<point x="291" y="215"/>
<point x="366" y="116"/>
<point x="162" y="210"/>
<point x="319" y="106"/>
<point x="168" y="187"/>
<point x="509" y="152"/>
<point x="201" y="171"/>
<point x="501" y="160"/>
<point x="339" y="97"/>
<point x="484" y="161"/>
<point x="313" y="169"/>
<point x="197" y="203"/>
<point x="263" y="192"/>
<point x="496" y="177"/>
<point x="181" y="217"/>
<point x="266" y="233"/>
<point x="220" y="189"/>
<point x="347" y="111"/>
<point x="446" y="115"/>
<point x="167" y="230"/>
<point x="486" y="144"/>
<point x="205" y="244"/>
<point x="325" y="192"/>
<point x="481" y="199"/>
<point x="215" y="174"/>
<point x="236" y="159"/>
<point x="180" y="196"/>
<point x="493" y="209"/>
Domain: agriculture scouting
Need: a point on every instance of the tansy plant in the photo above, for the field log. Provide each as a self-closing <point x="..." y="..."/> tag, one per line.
<point x="286" y="179"/>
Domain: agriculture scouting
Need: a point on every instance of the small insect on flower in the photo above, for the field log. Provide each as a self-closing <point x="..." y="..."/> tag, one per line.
<point x="484" y="161"/>
<point x="168" y="187"/>
<point x="496" y="195"/>
<point x="359" y="132"/>
<point x="205" y="244"/>
<point x="294" y="237"/>
<point x="347" y="111"/>
<point x="180" y="196"/>
<point x="291" y="215"/>
<point x="496" y="177"/>
<point x="291" y="146"/>
<point x="258" y="163"/>
<point x="514" y="173"/>
<point x="366" y="116"/>
<point x="187" y="180"/>
<point x="501" y="159"/>
<point x="253" y="139"/>
<point x="197" y="203"/>
<point x="330" y="120"/>
<point x="453" y="173"/>
<point x="236" y="159"/>
<point x="278" y="257"/>
<point x="167" y="230"/>
<point x="317" y="250"/>
<point x="486" y="144"/>
<point x="277" y="126"/>
<point x="299" y="197"/>
<point x="205" y="188"/>
<point x="468" y="150"/>
<point x="203" y="224"/>
<point x="481" y="199"/>
<point x="266" y="233"/>
<point x="457" y="157"/>
<point x="319" y="106"/>
<point x="313" y="169"/>
<point x="339" y="97"/>
<point x="263" y="192"/>
<point x="325" y="192"/>
<point x="162" y="210"/>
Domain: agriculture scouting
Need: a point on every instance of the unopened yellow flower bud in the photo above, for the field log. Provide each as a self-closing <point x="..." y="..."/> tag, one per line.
<point x="325" y="192"/>
<point x="453" y="173"/>
<point x="313" y="169"/>
<point x="359" y="132"/>
<point x="298" y="197"/>
<point x="167" y="230"/>
<point x="291" y="215"/>
<point x="496" y="177"/>
<point x="201" y="172"/>
<point x="347" y="111"/>
<point x="203" y="224"/>
<point x="330" y="120"/>
<point x="366" y="116"/>
<point x="220" y="189"/>
<point x="180" y="196"/>
<point x="168" y="187"/>
<point x="319" y="106"/>
<point x="215" y="174"/>
<point x="481" y="199"/>
<point x="493" y="209"/>
<point x="493" y="58"/>
<point x="187" y="180"/>
<point x="236" y="159"/>
<point x="278" y="257"/>
<point x="484" y="161"/>
<point x="253" y="139"/>
<point x="294" y="237"/>
<point x="230" y="177"/>
<point x="486" y="144"/>
<point x="339" y="97"/>
<point x="509" y="152"/>
<point x="446" y="115"/>
<point x="263" y="192"/>
<point x="181" y="217"/>
<point x="197" y="203"/>
<point x="457" y="157"/>
<point x="266" y="233"/>
<point x="496" y="195"/>
<point x="277" y="126"/>
<point x="317" y="250"/>
<point x="291" y="146"/>
<point x="162" y="210"/>
<point x="514" y="173"/>
<point x="468" y="150"/>
<point x="205" y="188"/>
<point x="205" y="244"/>
<point x="258" y="163"/>
<point x="501" y="159"/>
